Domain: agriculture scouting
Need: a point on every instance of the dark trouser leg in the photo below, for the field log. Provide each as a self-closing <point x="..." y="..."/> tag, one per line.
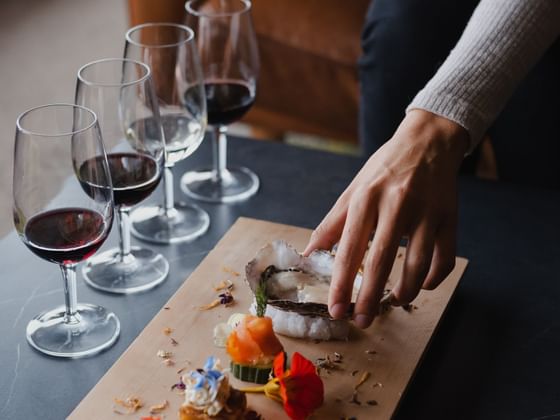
<point x="404" y="42"/>
<point x="526" y="135"/>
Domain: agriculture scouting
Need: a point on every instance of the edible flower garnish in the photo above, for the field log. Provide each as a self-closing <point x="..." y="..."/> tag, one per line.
<point x="298" y="388"/>
<point x="207" y="389"/>
<point x="207" y="375"/>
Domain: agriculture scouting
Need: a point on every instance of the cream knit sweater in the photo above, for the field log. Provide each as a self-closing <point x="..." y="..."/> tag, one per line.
<point x="502" y="41"/>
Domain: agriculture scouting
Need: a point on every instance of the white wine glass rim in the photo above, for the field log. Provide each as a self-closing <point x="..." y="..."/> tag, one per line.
<point x="21" y="117"/>
<point x="192" y="11"/>
<point x="83" y="79"/>
<point x="187" y="39"/>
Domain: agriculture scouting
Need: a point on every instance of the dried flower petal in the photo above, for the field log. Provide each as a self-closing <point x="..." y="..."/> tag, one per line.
<point x="230" y="271"/>
<point x="354" y="372"/>
<point x="174" y="342"/>
<point x="226" y="298"/>
<point x="329" y="362"/>
<point x="183" y="368"/>
<point x="211" y="305"/>
<point x="158" y="408"/>
<point x="354" y="399"/>
<point x="179" y="385"/>
<point x="371" y="402"/>
<point x="167" y="330"/>
<point x="164" y="354"/>
<point x="371" y="352"/>
<point x="168" y="362"/>
<point x="130" y="404"/>
<point x="224" y="285"/>
<point x="365" y="376"/>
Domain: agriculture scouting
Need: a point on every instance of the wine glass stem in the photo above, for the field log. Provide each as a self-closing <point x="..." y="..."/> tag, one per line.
<point x="220" y="152"/>
<point x="70" y="295"/>
<point x="168" y="195"/>
<point x="124" y="230"/>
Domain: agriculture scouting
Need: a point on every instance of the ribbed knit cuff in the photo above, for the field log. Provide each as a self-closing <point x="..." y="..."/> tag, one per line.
<point x="453" y="109"/>
<point x="500" y="44"/>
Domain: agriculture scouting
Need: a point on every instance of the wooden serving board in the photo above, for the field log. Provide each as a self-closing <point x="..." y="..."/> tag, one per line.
<point x="389" y="350"/>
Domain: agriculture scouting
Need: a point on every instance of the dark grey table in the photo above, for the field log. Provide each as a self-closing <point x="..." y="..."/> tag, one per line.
<point x="496" y="354"/>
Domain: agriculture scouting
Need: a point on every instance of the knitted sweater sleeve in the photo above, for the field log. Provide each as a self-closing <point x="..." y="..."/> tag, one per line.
<point x="500" y="44"/>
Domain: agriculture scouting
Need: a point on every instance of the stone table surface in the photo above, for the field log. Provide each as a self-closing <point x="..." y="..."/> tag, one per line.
<point x="495" y="355"/>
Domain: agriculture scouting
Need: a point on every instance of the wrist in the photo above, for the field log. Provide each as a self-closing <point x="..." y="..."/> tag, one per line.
<point x="436" y="136"/>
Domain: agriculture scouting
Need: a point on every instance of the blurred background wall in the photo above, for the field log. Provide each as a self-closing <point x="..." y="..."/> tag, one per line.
<point x="307" y="93"/>
<point x="43" y="43"/>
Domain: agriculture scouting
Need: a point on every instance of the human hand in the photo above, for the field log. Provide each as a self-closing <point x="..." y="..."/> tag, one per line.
<point x="407" y="188"/>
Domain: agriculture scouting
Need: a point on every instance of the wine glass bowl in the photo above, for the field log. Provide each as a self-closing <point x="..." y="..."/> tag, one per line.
<point x="170" y="52"/>
<point x="230" y="63"/>
<point x="60" y="222"/>
<point x="120" y="91"/>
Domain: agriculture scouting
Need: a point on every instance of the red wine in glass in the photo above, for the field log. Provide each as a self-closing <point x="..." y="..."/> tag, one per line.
<point x="227" y="101"/>
<point x="121" y="91"/>
<point x="135" y="176"/>
<point x="60" y="223"/>
<point x="65" y="236"/>
<point x="230" y="63"/>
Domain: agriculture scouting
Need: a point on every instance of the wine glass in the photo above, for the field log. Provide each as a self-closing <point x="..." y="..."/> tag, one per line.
<point x="230" y="63"/>
<point x="120" y="91"/>
<point x="170" y="52"/>
<point x="61" y="222"/>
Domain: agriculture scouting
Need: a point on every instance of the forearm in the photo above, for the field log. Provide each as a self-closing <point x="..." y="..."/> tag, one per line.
<point x="501" y="43"/>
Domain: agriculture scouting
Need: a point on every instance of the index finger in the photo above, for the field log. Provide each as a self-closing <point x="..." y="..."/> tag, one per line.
<point x="350" y="253"/>
<point x="328" y="232"/>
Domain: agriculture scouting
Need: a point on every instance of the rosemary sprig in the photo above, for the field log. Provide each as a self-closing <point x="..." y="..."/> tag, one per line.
<point x="260" y="294"/>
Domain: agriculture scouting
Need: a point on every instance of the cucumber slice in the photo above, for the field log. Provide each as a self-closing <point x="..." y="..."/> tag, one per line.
<point x="255" y="374"/>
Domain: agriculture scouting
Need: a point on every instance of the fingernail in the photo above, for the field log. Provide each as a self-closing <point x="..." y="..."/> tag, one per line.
<point x="337" y="310"/>
<point x="362" y="321"/>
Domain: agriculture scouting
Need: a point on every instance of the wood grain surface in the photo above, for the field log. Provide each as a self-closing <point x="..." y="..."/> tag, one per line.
<point x="389" y="350"/>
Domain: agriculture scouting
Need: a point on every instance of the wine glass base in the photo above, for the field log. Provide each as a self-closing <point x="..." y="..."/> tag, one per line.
<point x="236" y="184"/>
<point x="183" y="223"/>
<point x="141" y="270"/>
<point x="90" y="331"/>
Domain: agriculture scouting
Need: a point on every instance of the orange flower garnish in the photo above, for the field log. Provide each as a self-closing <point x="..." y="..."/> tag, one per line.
<point x="299" y="388"/>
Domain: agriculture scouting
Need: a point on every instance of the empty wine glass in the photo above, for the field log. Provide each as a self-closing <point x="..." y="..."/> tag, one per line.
<point x="62" y="222"/>
<point x="170" y="52"/>
<point x="230" y="63"/>
<point x="120" y="91"/>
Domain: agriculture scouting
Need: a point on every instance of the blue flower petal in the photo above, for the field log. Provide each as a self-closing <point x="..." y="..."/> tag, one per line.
<point x="210" y="362"/>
